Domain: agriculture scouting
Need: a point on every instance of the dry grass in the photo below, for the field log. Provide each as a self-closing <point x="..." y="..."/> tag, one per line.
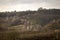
<point x="29" y="35"/>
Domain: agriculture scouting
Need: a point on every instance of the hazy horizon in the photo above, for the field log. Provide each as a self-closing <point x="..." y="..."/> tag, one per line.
<point x="22" y="5"/>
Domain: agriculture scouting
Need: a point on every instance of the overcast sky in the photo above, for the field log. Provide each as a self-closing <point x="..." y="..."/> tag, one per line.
<point x="22" y="5"/>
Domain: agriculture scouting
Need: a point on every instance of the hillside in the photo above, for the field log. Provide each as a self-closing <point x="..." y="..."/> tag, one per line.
<point x="30" y="25"/>
<point x="31" y="19"/>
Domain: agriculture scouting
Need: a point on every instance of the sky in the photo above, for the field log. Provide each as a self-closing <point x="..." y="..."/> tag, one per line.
<point x="23" y="5"/>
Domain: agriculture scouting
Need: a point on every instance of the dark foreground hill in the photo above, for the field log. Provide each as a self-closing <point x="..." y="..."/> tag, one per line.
<point x="55" y="35"/>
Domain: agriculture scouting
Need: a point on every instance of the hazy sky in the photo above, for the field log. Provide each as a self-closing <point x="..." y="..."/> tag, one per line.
<point x="22" y="5"/>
